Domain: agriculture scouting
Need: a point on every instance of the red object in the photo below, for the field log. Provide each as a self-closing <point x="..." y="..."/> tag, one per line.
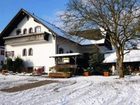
<point x="106" y="73"/>
<point x="40" y="71"/>
<point x="86" y="73"/>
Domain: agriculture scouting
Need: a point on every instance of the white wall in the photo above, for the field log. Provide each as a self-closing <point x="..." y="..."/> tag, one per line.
<point x="28" y="23"/>
<point x="41" y="54"/>
<point x="41" y="51"/>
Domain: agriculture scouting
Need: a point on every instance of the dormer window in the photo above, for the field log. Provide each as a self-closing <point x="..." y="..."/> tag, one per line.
<point x="37" y="29"/>
<point x="30" y="30"/>
<point x="18" y="31"/>
<point x="25" y="31"/>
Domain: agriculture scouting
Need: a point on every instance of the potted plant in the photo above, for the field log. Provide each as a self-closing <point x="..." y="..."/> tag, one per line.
<point x="86" y="72"/>
<point x="106" y="72"/>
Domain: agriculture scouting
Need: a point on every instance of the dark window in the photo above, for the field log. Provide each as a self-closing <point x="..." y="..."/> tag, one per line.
<point x="12" y="53"/>
<point x="30" y="30"/>
<point x="2" y="52"/>
<point x="9" y="53"/>
<point x="46" y="36"/>
<point x="18" y="31"/>
<point x="30" y="51"/>
<point x="2" y="63"/>
<point x="37" y="29"/>
<point x="6" y="54"/>
<point x="25" y="31"/>
<point x="61" y="50"/>
<point x="71" y="51"/>
<point x="24" y="53"/>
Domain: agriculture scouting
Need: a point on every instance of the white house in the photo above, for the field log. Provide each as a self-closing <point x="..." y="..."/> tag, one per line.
<point x="36" y="40"/>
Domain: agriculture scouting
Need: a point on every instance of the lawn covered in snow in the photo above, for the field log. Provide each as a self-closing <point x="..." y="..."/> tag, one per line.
<point x="92" y="90"/>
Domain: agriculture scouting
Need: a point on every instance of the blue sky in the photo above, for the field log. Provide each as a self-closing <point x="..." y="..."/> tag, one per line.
<point x="46" y="9"/>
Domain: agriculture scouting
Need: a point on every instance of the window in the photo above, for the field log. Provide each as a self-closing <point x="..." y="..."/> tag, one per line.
<point x="9" y="53"/>
<point x="25" y="31"/>
<point x="2" y="52"/>
<point x="61" y="50"/>
<point x="2" y="62"/>
<point x="46" y="36"/>
<point x="30" y="52"/>
<point x="71" y="51"/>
<point x="24" y="53"/>
<point x="30" y="30"/>
<point x="18" y="31"/>
<point x="12" y="53"/>
<point x="37" y="29"/>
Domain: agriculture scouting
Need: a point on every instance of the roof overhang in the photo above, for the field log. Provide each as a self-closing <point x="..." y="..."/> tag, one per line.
<point x="65" y="55"/>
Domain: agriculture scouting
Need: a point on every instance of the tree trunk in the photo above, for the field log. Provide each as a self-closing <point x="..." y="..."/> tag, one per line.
<point x="119" y="64"/>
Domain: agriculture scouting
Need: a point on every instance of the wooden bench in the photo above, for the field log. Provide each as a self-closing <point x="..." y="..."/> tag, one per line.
<point x="60" y="75"/>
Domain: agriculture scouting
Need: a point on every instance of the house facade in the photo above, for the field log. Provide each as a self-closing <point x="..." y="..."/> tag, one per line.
<point x="36" y="40"/>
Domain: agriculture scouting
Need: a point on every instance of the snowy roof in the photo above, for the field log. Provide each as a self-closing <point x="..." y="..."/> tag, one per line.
<point x="130" y="56"/>
<point x="65" y="55"/>
<point x="88" y="42"/>
<point x="133" y="43"/>
<point x="62" y="33"/>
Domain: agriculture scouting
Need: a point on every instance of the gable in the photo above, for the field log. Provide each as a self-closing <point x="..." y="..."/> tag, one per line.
<point x="27" y="23"/>
<point x="23" y="20"/>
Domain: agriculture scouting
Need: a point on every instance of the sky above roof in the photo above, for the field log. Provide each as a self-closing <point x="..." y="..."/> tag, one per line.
<point x="46" y="9"/>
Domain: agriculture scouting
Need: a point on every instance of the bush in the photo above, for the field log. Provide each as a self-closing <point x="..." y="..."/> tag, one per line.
<point x="10" y="64"/>
<point x="18" y="64"/>
<point x="15" y="66"/>
<point x="4" y="66"/>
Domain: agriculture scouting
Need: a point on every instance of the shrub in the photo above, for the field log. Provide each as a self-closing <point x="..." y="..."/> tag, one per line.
<point x="18" y="64"/>
<point x="10" y="64"/>
<point x="15" y="66"/>
<point x="4" y="66"/>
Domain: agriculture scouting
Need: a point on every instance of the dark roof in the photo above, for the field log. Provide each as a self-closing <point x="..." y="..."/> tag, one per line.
<point x="89" y="34"/>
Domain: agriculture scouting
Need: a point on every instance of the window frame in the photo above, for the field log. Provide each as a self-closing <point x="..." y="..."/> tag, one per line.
<point x="24" y="52"/>
<point x="30" y="52"/>
<point x="38" y="29"/>
<point x="30" y="30"/>
<point x="24" y="31"/>
<point x="18" y="31"/>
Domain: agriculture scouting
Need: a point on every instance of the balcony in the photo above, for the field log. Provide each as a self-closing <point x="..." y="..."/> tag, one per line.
<point x="26" y="39"/>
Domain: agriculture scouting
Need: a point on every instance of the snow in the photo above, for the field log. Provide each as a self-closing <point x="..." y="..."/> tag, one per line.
<point x="130" y="56"/>
<point x="14" y="80"/>
<point x="92" y="90"/>
<point x="88" y="42"/>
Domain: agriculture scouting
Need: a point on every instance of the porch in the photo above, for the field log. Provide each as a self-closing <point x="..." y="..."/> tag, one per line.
<point x="66" y="65"/>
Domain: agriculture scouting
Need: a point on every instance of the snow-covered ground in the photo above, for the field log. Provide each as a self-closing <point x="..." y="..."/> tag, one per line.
<point x="92" y="90"/>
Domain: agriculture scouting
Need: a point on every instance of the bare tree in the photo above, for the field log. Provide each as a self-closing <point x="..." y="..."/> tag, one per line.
<point x="118" y="18"/>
